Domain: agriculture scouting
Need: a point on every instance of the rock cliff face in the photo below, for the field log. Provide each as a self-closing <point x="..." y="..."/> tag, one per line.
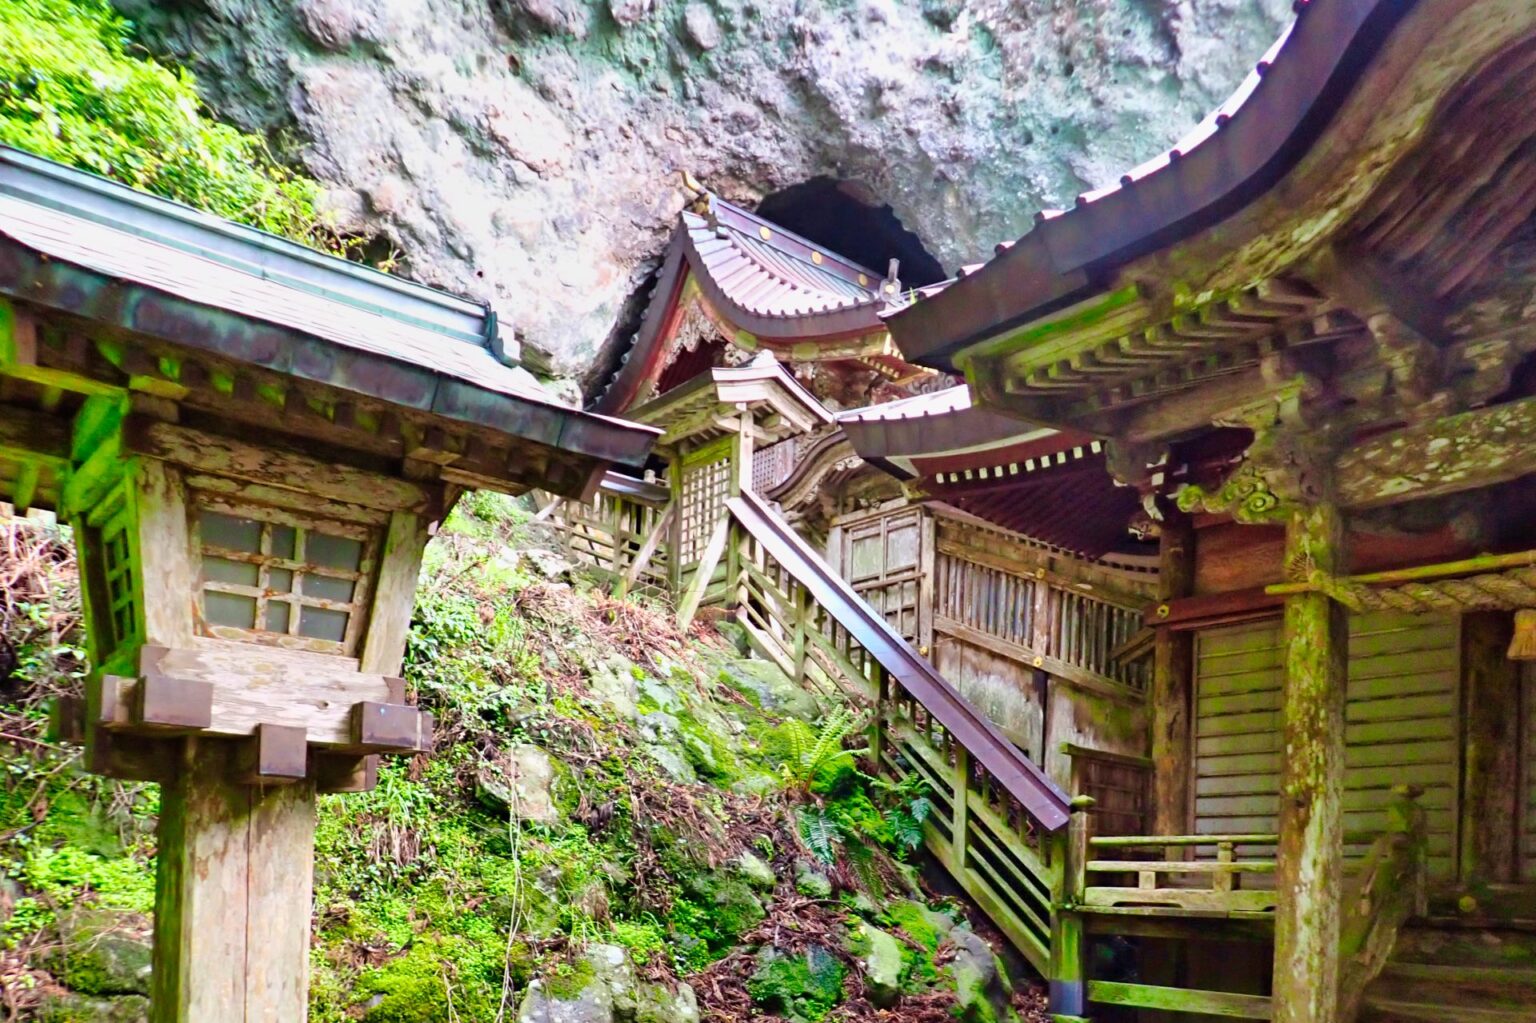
<point x="527" y="152"/>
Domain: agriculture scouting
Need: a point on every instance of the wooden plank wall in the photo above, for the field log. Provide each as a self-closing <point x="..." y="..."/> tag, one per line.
<point x="1401" y="725"/>
<point x="1527" y="823"/>
<point x="985" y="599"/>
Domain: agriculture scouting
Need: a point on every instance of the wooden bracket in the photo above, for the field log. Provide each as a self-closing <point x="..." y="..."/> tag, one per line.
<point x="390" y="728"/>
<point x="163" y="703"/>
<point x="275" y="755"/>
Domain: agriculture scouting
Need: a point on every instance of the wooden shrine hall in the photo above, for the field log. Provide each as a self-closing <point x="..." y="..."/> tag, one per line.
<point x="1206" y="606"/>
<point x="252" y="443"/>
<point x="1305" y="333"/>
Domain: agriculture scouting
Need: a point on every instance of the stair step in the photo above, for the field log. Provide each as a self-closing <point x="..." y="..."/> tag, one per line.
<point x="1499" y="948"/>
<point x="1497" y="989"/>
<point x="1382" y="1009"/>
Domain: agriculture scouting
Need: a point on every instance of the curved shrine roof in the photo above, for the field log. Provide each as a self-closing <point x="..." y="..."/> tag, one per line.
<point x="788" y="293"/>
<point x="1236" y="153"/>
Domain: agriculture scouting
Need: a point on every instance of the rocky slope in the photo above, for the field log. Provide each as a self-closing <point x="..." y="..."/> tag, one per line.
<point x="526" y="151"/>
<point x="619" y="824"/>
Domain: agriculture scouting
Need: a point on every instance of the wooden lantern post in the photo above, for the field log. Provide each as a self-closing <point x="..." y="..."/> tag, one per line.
<point x="252" y="443"/>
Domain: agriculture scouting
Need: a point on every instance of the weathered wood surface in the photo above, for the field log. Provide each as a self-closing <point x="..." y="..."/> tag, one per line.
<point x="1490" y="702"/>
<point x="254" y="685"/>
<point x="1170" y="999"/>
<point x="1467" y="451"/>
<point x="1389" y="889"/>
<point x="1311" y="853"/>
<point x="233" y="895"/>
<point x="1170" y="698"/>
<point x="225" y="456"/>
<point x="394" y="594"/>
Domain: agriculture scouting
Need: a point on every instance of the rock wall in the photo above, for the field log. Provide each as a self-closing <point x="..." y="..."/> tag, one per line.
<point x="526" y="151"/>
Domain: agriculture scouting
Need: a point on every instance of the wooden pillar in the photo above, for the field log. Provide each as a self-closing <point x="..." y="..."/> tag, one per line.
<point x="1069" y="945"/>
<point x="1491" y="768"/>
<point x="1172" y="679"/>
<point x="233" y="894"/>
<point x="1309" y="876"/>
<point x="960" y="784"/>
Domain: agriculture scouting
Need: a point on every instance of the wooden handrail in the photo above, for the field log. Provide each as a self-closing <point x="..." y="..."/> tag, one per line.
<point x="1015" y="773"/>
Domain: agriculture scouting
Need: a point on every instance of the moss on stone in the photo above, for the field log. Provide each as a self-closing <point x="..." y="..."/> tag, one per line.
<point x="800" y="986"/>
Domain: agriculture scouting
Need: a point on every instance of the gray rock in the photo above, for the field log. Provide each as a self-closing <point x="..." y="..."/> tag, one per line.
<point x="526" y="152"/>
<point x="658" y="1004"/>
<point x="71" y="1007"/>
<point x="981" y="984"/>
<point x="524" y="787"/>
<point x="812" y="883"/>
<point x="102" y="952"/>
<point x="758" y="873"/>
<point x="771" y="689"/>
<point x="703" y="27"/>
<point x="881" y="958"/>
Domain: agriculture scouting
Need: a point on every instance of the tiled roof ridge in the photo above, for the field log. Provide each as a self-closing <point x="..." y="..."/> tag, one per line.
<point x="778" y="231"/>
<point x="833" y="302"/>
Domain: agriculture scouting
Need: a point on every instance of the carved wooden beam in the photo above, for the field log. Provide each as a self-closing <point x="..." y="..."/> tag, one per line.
<point x="1466" y="451"/>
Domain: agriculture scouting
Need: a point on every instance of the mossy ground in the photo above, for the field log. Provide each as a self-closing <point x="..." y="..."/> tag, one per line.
<point x="435" y="902"/>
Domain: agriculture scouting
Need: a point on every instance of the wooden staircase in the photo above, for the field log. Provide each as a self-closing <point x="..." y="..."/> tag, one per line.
<point x="1440" y="974"/>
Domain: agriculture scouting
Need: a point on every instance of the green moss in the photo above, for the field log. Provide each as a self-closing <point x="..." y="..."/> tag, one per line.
<point x="429" y="984"/>
<point x="804" y="986"/>
<point x="915" y="921"/>
<point x="566" y="981"/>
<point x="71" y="91"/>
<point x="646" y="941"/>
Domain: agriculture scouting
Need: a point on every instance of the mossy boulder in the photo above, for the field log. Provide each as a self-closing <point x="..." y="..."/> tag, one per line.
<point x="730" y="903"/>
<point x="769" y="689"/>
<point x="656" y="1003"/>
<point x="883" y="961"/>
<point x="103" y="952"/>
<point x="928" y="927"/>
<point x="811" y="882"/>
<point x="800" y="986"/>
<point x="72" y="1007"/>
<point x="756" y="871"/>
<point x="982" y="988"/>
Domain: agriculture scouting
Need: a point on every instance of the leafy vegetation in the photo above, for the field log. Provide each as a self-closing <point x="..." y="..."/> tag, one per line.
<point x="71" y="89"/>
<point x="681" y="824"/>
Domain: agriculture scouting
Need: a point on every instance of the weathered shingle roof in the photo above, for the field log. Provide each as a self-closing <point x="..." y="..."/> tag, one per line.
<point x="95" y="248"/>
<point x="764" y="280"/>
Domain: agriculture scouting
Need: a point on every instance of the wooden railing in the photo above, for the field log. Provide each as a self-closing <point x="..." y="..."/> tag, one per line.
<point x="997" y="820"/>
<point x="1036" y="619"/>
<point x="621" y="537"/>
<point x="1214" y="882"/>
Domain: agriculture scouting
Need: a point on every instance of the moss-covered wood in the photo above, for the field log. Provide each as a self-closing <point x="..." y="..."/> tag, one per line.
<point x="1309" y="877"/>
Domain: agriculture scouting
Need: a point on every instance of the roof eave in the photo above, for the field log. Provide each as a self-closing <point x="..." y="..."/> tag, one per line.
<point x="1328" y="50"/>
<point x="29" y="276"/>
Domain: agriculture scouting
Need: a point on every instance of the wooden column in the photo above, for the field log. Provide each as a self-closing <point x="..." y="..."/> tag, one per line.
<point x="1172" y="677"/>
<point x="1491" y="767"/>
<point x="233" y="894"/>
<point x="1309" y="876"/>
<point x="1069" y="944"/>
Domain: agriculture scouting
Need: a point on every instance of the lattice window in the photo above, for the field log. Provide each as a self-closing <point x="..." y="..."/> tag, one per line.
<point x="705" y="487"/>
<point x="274" y="577"/>
<point x="112" y="524"/>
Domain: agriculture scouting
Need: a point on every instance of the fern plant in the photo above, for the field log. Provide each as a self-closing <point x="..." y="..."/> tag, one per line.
<point x="816" y="756"/>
